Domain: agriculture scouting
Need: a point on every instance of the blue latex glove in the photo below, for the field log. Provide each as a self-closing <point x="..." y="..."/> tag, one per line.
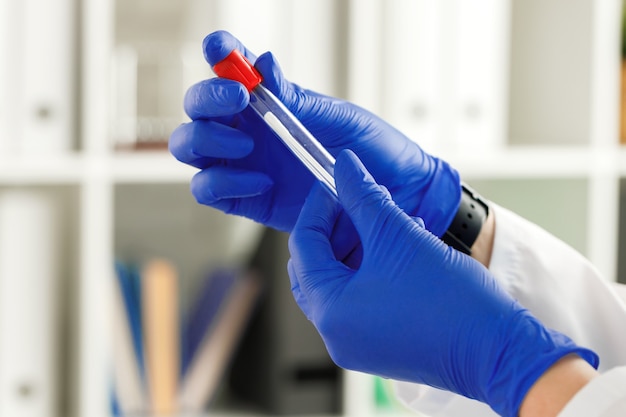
<point x="246" y="170"/>
<point x="416" y="310"/>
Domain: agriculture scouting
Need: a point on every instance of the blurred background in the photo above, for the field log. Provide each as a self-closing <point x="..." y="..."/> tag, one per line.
<point x="523" y="97"/>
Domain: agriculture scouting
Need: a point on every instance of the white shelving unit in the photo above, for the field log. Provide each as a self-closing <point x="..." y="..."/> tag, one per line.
<point x="137" y="204"/>
<point x="534" y="97"/>
<point x="531" y="122"/>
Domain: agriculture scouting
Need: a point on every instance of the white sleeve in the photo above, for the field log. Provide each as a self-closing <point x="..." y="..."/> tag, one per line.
<point x="604" y="396"/>
<point x="559" y="286"/>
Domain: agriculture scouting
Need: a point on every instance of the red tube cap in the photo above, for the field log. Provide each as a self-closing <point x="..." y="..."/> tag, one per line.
<point x="237" y="68"/>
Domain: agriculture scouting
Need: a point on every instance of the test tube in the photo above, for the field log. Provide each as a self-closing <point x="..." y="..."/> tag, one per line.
<point x="282" y="122"/>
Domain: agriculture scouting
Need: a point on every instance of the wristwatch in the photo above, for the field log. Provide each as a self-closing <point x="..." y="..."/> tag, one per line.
<point x="469" y="219"/>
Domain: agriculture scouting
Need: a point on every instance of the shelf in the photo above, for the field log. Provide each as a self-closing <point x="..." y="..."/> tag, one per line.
<point x="539" y="162"/>
<point x="508" y="162"/>
<point x="74" y="168"/>
<point x="160" y="167"/>
<point x="41" y="169"/>
<point x="149" y="167"/>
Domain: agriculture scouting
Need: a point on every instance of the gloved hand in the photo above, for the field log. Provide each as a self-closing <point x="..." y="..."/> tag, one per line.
<point x="416" y="310"/>
<point x="246" y="170"/>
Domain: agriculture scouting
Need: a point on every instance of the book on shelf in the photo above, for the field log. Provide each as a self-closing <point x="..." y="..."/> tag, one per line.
<point x="37" y="100"/>
<point x="203" y="313"/>
<point x="7" y="96"/>
<point x="29" y="304"/>
<point x="129" y="281"/>
<point x="166" y="361"/>
<point x="214" y="327"/>
<point x="159" y="299"/>
<point x="622" y="133"/>
<point x="128" y="367"/>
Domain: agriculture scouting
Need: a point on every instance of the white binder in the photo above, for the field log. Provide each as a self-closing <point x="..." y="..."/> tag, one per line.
<point x="9" y="91"/>
<point x="38" y="79"/>
<point x="48" y="45"/>
<point x="28" y="305"/>
<point x="436" y="70"/>
<point x="481" y="76"/>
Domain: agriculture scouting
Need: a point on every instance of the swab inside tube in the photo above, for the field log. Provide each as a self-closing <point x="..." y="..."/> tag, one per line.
<point x="300" y="150"/>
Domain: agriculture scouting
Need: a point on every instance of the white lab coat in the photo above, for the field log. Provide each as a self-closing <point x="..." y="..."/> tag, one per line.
<point x="561" y="288"/>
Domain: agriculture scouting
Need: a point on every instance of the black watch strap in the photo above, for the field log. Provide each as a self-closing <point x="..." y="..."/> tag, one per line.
<point x="468" y="221"/>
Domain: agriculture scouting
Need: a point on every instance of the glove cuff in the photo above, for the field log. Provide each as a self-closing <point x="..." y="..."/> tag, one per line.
<point x="522" y="364"/>
<point x="440" y="201"/>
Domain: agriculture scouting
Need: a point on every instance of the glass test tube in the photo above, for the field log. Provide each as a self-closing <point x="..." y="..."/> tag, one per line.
<point x="282" y="122"/>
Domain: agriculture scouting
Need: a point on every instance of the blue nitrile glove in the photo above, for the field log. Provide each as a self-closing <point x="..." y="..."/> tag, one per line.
<point x="246" y="170"/>
<point x="416" y="310"/>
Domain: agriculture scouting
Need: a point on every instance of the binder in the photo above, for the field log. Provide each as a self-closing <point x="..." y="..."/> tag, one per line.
<point x="4" y="32"/>
<point x="444" y="72"/>
<point x="10" y="11"/>
<point x="29" y="324"/>
<point x="47" y="76"/>
<point x="481" y="56"/>
<point x="412" y="93"/>
<point x="37" y="76"/>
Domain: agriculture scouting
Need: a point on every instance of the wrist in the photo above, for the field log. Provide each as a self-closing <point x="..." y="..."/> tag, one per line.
<point x="483" y="246"/>
<point x="557" y="386"/>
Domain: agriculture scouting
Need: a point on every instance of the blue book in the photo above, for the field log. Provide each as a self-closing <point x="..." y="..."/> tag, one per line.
<point x="128" y="278"/>
<point x="116" y="410"/>
<point x="214" y="291"/>
<point x="129" y="391"/>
